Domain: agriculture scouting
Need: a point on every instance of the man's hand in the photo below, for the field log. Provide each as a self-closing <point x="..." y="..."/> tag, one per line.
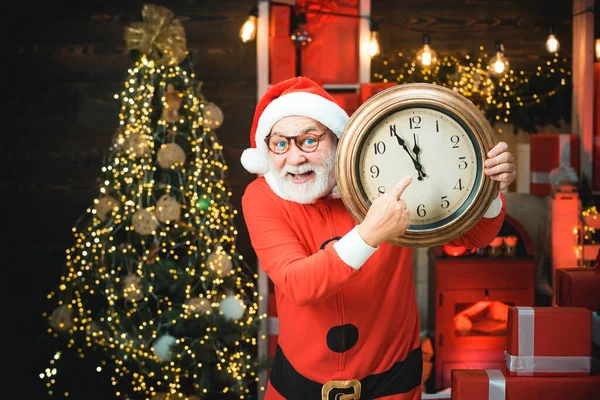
<point x="500" y="165"/>
<point x="387" y="218"/>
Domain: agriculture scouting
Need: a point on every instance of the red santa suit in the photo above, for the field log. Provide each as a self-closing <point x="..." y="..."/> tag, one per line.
<point x="348" y="317"/>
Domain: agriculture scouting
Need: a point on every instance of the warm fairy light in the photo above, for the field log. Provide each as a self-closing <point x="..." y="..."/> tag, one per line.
<point x="502" y="97"/>
<point x="149" y="261"/>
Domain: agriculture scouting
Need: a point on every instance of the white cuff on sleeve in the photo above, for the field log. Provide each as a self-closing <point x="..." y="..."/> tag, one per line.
<point x="494" y="209"/>
<point x="353" y="250"/>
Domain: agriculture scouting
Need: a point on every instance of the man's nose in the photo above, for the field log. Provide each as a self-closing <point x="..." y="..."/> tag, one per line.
<point x="295" y="156"/>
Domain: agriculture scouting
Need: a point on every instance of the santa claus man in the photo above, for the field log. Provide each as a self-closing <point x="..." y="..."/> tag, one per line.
<point x="348" y="318"/>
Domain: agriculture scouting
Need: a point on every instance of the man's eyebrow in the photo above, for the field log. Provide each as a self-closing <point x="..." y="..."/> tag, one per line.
<point x="309" y="128"/>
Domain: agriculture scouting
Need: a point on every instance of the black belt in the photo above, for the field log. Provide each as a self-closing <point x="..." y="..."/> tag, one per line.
<point x="403" y="377"/>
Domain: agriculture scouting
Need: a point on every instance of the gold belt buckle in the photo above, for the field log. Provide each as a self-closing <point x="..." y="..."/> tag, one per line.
<point x="329" y="386"/>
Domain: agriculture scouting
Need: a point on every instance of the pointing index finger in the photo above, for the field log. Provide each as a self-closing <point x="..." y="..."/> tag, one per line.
<point x="402" y="185"/>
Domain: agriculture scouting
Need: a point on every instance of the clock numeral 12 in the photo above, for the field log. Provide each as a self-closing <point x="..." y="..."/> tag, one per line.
<point x="414" y="122"/>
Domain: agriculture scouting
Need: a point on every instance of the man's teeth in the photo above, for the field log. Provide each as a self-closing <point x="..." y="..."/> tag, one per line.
<point x="302" y="175"/>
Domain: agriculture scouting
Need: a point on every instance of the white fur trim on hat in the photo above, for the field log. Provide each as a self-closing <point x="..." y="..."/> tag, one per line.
<point x="256" y="161"/>
<point x="303" y="104"/>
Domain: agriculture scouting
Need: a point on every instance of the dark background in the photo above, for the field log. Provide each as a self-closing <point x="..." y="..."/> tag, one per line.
<point x="64" y="61"/>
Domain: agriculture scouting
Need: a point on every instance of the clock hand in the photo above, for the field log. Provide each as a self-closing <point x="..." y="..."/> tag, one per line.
<point x="417" y="150"/>
<point x="417" y="165"/>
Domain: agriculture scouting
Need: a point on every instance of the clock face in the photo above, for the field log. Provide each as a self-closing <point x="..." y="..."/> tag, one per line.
<point x="433" y="147"/>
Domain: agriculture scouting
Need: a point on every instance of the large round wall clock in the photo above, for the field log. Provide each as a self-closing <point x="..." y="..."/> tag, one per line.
<point x="432" y="133"/>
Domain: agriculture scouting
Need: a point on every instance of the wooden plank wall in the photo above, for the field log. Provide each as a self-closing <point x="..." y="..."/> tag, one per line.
<point x="66" y="61"/>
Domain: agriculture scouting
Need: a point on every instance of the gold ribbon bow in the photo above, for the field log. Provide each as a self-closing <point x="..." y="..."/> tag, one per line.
<point x="158" y="35"/>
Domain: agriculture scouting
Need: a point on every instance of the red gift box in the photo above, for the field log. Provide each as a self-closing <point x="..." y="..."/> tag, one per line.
<point x="547" y="152"/>
<point x="548" y="341"/>
<point x="577" y="287"/>
<point x="478" y="384"/>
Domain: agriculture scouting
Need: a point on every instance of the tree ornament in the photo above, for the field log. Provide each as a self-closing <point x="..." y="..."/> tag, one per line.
<point x="213" y="116"/>
<point x="171" y="104"/>
<point x="168" y="208"/>
<point x="132" y="288"/>
<point x="203" y="204"/>
<point x="162" y="347"/>
<point x="105" y="206"/>
<point x="197" y="305"/>
<point x="158" y="35"/>
<point x="170" y="154"/>
<point x="62" y="318"/>
<point x="144" y="221"/>
<point x="232" y="308"/>
<point x="136" y="144"/>
<point x="219" y="262"/>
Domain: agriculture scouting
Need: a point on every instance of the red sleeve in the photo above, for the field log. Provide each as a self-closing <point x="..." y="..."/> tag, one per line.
<point x="484" y="231"/>
<point x="303" y="277"/>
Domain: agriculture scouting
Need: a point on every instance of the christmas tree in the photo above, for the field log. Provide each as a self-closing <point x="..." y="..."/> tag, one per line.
<point x="154" y="282"/>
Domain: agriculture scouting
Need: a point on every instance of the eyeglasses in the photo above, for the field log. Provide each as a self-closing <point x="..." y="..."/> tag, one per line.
<point x="306" y="142"/>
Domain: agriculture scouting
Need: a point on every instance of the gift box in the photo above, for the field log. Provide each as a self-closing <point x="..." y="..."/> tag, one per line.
<point x="478" y="384"/>
<point x="548" y="341"/>
<point x="547" y="152"/>
<point x="577" y="287"/>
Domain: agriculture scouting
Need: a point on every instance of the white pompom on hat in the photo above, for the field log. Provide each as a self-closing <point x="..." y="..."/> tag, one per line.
<point x="298" y="96"/>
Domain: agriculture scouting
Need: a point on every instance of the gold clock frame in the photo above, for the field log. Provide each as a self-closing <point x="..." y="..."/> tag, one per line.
<point x="407" y="95"/>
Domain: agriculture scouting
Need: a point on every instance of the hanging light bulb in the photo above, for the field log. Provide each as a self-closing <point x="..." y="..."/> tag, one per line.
<point x="373" y="48"/>
<point x="597" y="49"/>
<point x="552" y="43"/>
<point x="248" y="30"/>
<point x="499" y="63"/>
<point x="426" y="55"/>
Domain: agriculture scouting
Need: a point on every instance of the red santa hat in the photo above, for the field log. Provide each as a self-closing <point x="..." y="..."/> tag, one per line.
<point x="293" y="97"/>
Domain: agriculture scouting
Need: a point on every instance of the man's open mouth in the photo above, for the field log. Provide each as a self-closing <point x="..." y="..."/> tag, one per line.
<point x="301" y="178"/>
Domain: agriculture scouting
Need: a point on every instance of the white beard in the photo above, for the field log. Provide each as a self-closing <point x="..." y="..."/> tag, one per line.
<point x="320" y="185"/>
